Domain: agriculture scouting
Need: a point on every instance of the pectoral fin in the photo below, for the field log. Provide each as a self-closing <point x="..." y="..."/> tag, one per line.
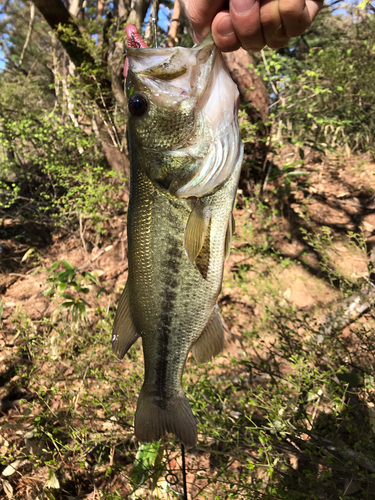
<point x="124" y="333"/>
<point x="196" y="229"/>
<point x="211" y="341"/>
<point x="229" y="235"/>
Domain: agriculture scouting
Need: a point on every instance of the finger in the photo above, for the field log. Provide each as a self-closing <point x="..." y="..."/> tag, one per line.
<point x="245" y="16"/>
<point x="201" y="14"/>
<point x="272" y="26"/>
<point x="223" y="32"/>
<point x="297" y="15"/>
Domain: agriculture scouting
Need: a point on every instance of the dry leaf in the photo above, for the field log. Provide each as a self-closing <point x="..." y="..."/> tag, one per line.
<point x="161" y="490"/>
<point x="342" y="195"/>
<point x="4" y="445"/>
<point x="367" y="226"/>
<point x="27" y="254"/>
<point x="11" y="469"/>
<point x="53" y="482"/>
<point x="8" y="488"/>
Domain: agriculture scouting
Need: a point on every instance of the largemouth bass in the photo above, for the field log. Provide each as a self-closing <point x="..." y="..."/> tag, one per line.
<point x="186" y="155"/>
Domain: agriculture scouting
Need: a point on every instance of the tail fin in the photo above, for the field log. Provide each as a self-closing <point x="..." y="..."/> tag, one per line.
<point x="152" y="422"/>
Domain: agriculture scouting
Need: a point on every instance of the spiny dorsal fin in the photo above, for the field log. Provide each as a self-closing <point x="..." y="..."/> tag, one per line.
<point x="228" y="237"/>
<point x="211" y="341"/>
<point x="124" y="333"/>
<point x="196" y="229"/>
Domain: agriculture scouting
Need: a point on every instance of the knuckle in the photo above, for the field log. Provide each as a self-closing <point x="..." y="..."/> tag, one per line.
<point x="253" y="47"/>
<point x="195" y="14"/>
<point x="277" y="43"/>
<point x="290" y="8"/>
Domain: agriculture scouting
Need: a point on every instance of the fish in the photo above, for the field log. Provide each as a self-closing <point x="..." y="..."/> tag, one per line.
<point x="185" y="153"/>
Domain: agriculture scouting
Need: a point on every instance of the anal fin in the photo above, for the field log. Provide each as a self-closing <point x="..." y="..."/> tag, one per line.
<point x="124" y="333"/>
<point x="211" y="341"/>
<point x="196" y="230"/>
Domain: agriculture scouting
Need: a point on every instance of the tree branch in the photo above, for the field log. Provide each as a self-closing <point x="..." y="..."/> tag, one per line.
<point x="28" y="36"/>
<point x="58" y="17"/>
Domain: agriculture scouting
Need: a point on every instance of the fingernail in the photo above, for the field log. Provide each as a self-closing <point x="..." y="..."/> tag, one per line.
<point x="225" y="27"/>
<point x="243" y="7"/>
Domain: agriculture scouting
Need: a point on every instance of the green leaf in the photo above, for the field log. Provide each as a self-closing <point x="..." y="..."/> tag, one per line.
<point x="363" y="4"/>
<point x="289" y="174"/>
<point x="49" y="291"/>
<point x="67" y="305"/>
<point x="144" y="462"/>
<point x="54" y="265"/>
<point x="340" y="89"/>
<point x="67" y="265"/>
<point x="67" y="296"/>
<point x="63" y="276"/>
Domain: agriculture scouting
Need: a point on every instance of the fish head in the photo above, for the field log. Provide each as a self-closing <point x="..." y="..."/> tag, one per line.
<point x="183" y="126"/>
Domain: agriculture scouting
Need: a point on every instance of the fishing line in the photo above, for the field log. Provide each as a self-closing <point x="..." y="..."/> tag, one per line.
<point x="184" y="470"/>
<point x="172" y="479"/>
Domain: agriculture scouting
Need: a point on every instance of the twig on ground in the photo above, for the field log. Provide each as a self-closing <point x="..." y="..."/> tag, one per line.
<point x="354" y="307"/>
<point x="87" y="263"/>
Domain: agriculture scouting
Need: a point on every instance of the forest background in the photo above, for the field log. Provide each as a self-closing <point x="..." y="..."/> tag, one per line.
<point x="288" y="410"/>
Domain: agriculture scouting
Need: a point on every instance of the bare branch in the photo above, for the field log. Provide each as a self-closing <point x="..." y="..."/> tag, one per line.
<point x="100" y="8"/>
<point x="151" y="29"/>
<point x="28" y="36"/>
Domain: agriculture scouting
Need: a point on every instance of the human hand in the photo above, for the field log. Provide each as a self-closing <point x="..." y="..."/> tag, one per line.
<point x="251" y="24"/>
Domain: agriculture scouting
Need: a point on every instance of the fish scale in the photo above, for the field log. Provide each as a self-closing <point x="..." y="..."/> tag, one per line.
<point x="176" y="244"/>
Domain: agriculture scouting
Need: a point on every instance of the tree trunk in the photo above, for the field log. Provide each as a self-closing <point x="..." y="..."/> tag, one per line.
<point x="100" y="88"/>
<point x="121" y="9"/>
<point x="138" y="12"/>
<point x="76" y="8"/>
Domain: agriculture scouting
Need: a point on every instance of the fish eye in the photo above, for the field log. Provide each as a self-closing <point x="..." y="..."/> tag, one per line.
<point x="137" y="105"/>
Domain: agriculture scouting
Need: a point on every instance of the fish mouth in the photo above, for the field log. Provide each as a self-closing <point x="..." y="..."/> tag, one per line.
<point x="139" y="53"/>
<point x="172" y="74"/>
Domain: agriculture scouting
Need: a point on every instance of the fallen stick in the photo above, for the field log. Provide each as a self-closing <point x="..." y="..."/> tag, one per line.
<point x="105" y="250"/>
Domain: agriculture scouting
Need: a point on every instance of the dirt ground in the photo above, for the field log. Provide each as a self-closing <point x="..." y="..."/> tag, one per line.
<point x="270" y="251"/>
